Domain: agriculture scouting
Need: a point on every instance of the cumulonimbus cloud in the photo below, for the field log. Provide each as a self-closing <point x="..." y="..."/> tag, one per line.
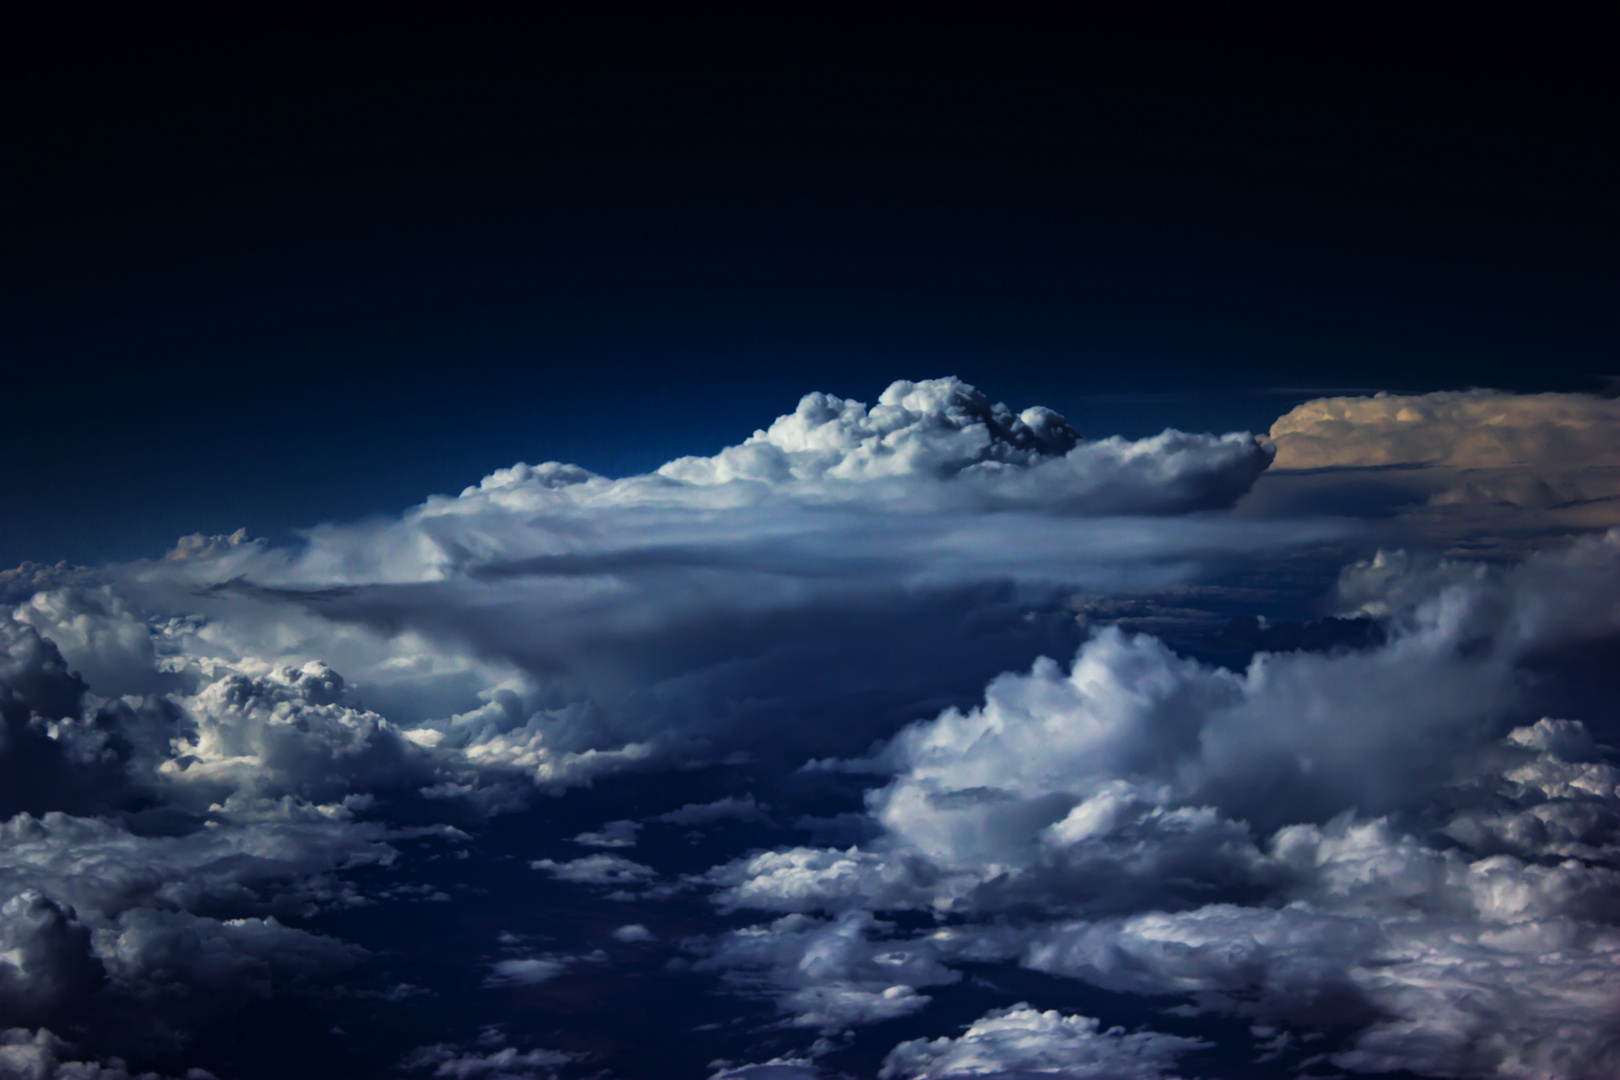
<point x="1480" y="471"/>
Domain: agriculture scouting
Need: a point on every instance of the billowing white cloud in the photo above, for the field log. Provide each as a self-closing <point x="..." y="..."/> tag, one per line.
<point x="547" y="626"/>
<point x="830" y="975"/>
<point x="1440" y="881"/>
<point x="1024" y="1042"/>
<point x="941" y="442"/>
<point x="558" y="624"/>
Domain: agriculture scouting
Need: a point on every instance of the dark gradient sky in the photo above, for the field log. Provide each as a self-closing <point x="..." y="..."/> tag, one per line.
<point x="287" y="264"/>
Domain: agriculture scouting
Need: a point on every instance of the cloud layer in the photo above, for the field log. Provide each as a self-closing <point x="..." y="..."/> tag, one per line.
<point x="1397" y="830"/>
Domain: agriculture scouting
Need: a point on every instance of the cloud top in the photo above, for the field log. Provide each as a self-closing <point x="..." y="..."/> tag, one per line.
<point x="1477" y="468"/>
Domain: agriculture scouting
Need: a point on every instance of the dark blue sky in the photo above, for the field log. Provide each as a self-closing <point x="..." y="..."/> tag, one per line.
<point x="289" y="265"/>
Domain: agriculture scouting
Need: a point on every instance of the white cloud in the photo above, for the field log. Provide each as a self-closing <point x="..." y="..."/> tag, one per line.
<point x="633" y="933"/>
<point x="830" y="974"/>
<point x="819" y="879"/>
<point x="560" y="625"/>
<point x="471" y="635"/>
<point x="1438" y="882"/>
<point x="1022" y="1041"/>
<point x="964" y="449"/>
<point x="289" y="732"/>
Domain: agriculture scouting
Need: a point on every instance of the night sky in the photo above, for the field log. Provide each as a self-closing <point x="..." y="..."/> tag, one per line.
<point x="1196" y="714"/>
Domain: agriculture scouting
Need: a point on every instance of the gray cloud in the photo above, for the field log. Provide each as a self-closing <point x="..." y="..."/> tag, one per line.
<point x="597" y="870"/>
<point x="525" y="971"/>
<point x="42" y="1055"/>
<point x="615" y="834"/>
<point x="473" y="1062"/>
<point x="729" y="808"/>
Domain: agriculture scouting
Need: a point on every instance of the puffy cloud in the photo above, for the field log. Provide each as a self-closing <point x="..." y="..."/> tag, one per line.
<point x="101" y="636"/>
<point x="1357" y="838"/>
<point x="948" y="443"/>
<point x="1056" y="759"/>
<point x="830" y="975"/>
<point x="45" y="960"/>
<point x="553" y="623"/>
<point x="819" y="879"/>
<point x="289" y="732"/>
<point x="633" y="933"/>
<point x="40" y="1055"/>
<point x="1022" y="1041"/>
